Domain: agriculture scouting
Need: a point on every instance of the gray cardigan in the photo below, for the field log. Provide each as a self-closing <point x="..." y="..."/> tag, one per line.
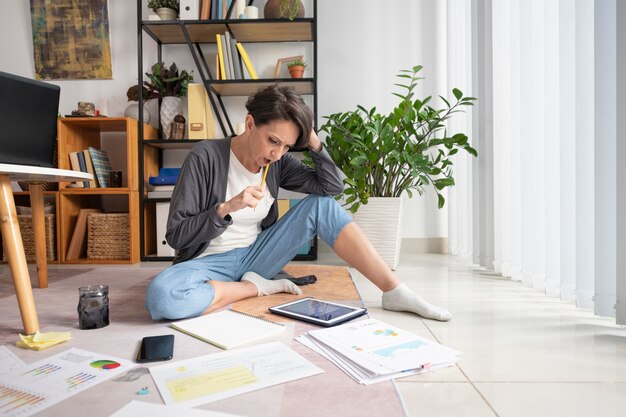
<point x="193" y="220"/>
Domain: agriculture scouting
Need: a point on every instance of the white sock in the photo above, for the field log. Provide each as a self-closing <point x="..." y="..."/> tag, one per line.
<point x="402" y="298"/>
<point x="270" y="286"/>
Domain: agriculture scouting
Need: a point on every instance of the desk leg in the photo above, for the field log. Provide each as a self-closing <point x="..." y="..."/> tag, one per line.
<point x="39" y="229"/>
<point x="15" y="255"/>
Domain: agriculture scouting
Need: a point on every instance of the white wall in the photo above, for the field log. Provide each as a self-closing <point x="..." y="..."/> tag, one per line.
<point x="362" y="44"/>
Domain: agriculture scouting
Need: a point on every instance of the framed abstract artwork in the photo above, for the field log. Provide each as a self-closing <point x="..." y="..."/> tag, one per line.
<point x="71" y="39"/>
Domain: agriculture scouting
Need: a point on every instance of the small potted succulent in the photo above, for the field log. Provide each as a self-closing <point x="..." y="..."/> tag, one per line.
<point x="296" y="68"/>
<point x="165" y="9"/>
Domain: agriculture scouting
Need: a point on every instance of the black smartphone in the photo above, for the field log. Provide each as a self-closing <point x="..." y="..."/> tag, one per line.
<point x="156" y="348"/>
<point x="304" y="280"/>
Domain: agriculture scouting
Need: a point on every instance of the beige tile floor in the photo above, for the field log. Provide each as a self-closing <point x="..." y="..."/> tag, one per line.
<point x="524" y="354"/>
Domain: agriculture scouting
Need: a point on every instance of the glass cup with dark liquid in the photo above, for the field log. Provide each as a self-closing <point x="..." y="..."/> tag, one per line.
<point x="93" y="306"/>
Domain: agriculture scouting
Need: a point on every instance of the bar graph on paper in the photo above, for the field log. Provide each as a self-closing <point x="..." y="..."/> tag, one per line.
<point x="29" y="389"/>
<point x="16" y="401"/>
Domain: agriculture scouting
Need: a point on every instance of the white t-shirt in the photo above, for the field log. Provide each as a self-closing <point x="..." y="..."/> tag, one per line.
<point x="246" y="222"/>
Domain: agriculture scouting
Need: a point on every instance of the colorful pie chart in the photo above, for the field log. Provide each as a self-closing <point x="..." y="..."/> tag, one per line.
<point x="105" y="364"/>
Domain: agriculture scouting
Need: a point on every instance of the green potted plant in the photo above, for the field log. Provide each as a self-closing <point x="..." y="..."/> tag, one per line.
<point x="296" y="68"/>
<point x="386" y="155"/>
<point x="168" y="84"/>
<point x="165" y="9"/>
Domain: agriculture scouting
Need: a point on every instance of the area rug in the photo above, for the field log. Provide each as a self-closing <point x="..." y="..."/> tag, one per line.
<point x="330" y="394"/>
<point x="54" y="275"/>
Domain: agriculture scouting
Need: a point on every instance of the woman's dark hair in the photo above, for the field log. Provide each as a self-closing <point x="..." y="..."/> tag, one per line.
<point x="277" y="102"/>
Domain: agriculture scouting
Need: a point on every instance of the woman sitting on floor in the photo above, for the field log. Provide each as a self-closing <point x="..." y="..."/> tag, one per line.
<point x="223" y="217"/>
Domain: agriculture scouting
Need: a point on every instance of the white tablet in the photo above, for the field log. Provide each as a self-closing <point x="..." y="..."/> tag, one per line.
<point x="320" y="312"/>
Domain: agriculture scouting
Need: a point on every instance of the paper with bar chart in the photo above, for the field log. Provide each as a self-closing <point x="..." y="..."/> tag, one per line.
<point x="31" y="388"/>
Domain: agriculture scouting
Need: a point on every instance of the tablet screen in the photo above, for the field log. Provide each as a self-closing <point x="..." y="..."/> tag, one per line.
<point x="318" y="309"/>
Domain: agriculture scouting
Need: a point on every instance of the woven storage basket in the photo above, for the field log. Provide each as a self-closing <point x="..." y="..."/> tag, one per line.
<point x="108" y="236"/>
<point x="28" y="237"/>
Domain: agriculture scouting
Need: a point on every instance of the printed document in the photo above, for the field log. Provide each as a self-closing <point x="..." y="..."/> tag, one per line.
<point x="222" y="375"/>
<point x="372" y="351"/>
<point x="27" y="390"/>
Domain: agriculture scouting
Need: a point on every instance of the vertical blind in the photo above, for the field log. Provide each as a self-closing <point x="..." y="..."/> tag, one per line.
<point x="539" y="204"/>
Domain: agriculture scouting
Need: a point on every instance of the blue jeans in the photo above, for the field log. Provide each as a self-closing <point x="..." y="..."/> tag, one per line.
<point x="183" y="291"/>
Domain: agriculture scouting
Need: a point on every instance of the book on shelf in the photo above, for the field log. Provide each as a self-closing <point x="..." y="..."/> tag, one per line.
<point x="237" y="66"/>
<point x="78" y="243"/>
<point x="83" y="167"/>
<point x="75" y="166"/>
<point x="220" y="54"/>
<point x="246" y="61"/>
<point x="189" y="9"/>
<point x="201" y="122"/>
<point x="101" y="165"/>
<point x="160" y="194"/>
<point x="205" y="10"/>
<point x="161" y="187"/>
<point x="230" y="67"/>
<point x="229" y="328"/>
<point x="89" y="164"/>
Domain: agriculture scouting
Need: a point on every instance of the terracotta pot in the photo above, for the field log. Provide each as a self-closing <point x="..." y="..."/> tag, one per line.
<point x="273" y="10"/>
<point x="296" y="71"/>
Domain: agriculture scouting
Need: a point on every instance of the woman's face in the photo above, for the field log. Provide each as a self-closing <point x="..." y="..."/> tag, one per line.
<point x="271" y="141"/>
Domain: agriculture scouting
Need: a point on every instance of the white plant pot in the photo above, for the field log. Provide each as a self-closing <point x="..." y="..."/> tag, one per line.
<point x="170" y="107"/>
<point x="166" y="13"/>
<point x="132" y="111"/>
<point x="380" y="220"/>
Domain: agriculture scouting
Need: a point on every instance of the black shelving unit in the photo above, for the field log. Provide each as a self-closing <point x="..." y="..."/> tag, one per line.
<point x="192" y="34"/>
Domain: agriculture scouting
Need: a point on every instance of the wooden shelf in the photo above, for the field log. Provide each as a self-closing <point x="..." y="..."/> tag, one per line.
<point x="171" y="144"/>
<point x="77" y="134"/>
<point x="257" y="30"/>
<point x="304" y="86"/>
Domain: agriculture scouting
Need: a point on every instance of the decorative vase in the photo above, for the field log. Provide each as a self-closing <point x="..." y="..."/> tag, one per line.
<point x="170" y="107"/>
<point x="283" y="9"/>
<point x="384" y="235"/>
<point x="296" y="71"/>
<point x="166" y="14"/>
<point x="132" y="111"/>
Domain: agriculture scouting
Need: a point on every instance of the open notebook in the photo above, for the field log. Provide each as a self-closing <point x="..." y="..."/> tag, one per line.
<point x="229" y="328"/>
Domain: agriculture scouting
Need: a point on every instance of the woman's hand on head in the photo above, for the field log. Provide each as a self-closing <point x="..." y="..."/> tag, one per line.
<point x="314" y="141"/>
<point x="249" y="197"/>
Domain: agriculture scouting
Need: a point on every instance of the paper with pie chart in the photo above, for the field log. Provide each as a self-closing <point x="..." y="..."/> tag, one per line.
<point x="33" y="387"/>
<point x="382" y="348"/>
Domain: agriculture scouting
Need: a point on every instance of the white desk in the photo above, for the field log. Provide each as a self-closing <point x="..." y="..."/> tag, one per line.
<point x="11" y="235"/>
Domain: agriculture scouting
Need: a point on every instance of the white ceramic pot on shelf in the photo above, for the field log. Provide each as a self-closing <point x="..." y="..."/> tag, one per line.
<point x="132" y="111"/>
<point x="380" y="221"/>
<point x="170" y="107"/>
<point x="166" y="14"/>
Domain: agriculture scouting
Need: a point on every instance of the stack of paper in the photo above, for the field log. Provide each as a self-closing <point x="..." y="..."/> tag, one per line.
<point x="371" y="351"/>
<point x="40" y="341"/>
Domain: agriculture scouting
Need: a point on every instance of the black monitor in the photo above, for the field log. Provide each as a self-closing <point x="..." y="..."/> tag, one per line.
<point x="28" y="120"/>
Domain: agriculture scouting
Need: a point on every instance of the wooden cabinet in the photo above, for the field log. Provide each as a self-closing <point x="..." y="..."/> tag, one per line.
<point x="77" y="134"/>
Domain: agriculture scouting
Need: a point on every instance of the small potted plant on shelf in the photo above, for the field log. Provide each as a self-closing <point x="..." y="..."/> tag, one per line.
<point x="385" y="155"/>
<point x="165" y="9"/>
<point x="168" y="84"/>
<point x="296" y="68"/>
<point x="283" y="9"/>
